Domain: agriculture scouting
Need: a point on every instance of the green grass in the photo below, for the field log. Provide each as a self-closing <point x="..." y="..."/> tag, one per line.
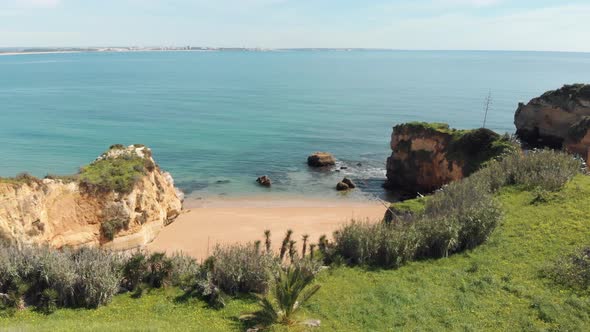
<point x="496" y="287"/>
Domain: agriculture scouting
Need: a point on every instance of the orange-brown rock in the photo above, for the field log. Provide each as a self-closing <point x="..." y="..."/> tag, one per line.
<point x="62" y="213"/>
<point x="427" y="156"/>
<point x="321" y="159"/>
<point x="552" y="120"/>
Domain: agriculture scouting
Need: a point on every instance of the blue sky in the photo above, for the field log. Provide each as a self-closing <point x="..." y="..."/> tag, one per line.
<point x="556" y="25"/>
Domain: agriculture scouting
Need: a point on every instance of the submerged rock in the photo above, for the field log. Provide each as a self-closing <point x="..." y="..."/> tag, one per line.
<point x="264" y="181"/>
<point x="321" y="159"/>
<point x="123" y="188"/>
<point x="427" y="156"/>
<point x="557" y="119"/>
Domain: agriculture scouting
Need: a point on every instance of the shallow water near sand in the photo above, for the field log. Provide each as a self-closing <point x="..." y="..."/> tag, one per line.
<point x="217" y="120"/>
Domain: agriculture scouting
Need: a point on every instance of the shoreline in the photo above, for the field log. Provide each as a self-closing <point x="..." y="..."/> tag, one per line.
<point x="260" y="200"/>
<point x="201" y="227"/>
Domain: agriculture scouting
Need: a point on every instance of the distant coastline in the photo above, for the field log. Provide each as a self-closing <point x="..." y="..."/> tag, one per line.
<point x="49" y="50"/>
<point x="134" y="49"/>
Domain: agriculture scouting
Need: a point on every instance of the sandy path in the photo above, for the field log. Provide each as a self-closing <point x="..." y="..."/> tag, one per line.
<point x="198" y="230"/>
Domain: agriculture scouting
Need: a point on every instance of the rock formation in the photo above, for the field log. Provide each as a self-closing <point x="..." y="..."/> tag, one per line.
<point x="349" y="183"/>
<point x="341" y="186"/>
<point x="321" y="159"/>
<point x="345" y="184"/>
<point x="264" y="181"/>
<point x="123" y="187"/>
<point x="427" y="156"/>
<point x="557" y="119"/>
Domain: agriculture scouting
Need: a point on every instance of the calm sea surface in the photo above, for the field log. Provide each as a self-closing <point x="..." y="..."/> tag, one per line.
<point x="217" y="120"/>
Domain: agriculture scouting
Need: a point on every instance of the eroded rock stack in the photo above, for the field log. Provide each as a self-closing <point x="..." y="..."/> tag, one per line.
<point x="124" y="186"/>
<point x="557" y="119"/>
<point x="427" y="156"/>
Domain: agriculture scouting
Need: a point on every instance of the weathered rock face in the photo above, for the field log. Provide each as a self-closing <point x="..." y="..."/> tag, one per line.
<point x="427" y="156"/>
<point x="64" y="213"/>
<point x="556" y="119"/>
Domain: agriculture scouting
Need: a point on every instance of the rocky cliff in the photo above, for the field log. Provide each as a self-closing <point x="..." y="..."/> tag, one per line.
<point x="120" y="201"/>
<point x="427" y="156"/>
<point x="557" y="119"/>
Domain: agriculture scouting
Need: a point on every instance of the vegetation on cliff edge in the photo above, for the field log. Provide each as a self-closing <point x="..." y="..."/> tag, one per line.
<point x="471" y="148"/>
<point x="119" y="174"/>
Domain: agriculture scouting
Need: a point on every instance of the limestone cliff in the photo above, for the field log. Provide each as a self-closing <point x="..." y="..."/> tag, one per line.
<point x="427" y="156"/>
<point x="120" y="201"/>
<point x="556" y="119"/>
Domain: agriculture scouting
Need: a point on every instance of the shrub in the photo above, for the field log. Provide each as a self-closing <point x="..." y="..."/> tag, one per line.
<point x="185" y="270"/>
<point x="545" y="169"/>
<point x="156" y="270"/>
<point x="159" y="270"/>
<point x="134" y="270"/>
<point x="114" y="174"/>
<point x="572" y="270"/>
<point x="99" y="275"/>
<point x="48" y="278"/>
<point x="110" y="228"/>
<point x="380" y="244"/>
<point x="239" y="269"/>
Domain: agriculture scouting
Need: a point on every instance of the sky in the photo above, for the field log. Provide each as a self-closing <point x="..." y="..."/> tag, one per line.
<point x="540" y="25"/>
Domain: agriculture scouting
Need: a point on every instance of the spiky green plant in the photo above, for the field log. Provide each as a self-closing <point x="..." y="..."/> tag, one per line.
<point x="292" y="250"/>
<point x="291" y="291"/>
<point x="267" y="242"/>
<point x="305" y="237"/>
<point x="312" y="251"/>
<point x="285" y="244"/>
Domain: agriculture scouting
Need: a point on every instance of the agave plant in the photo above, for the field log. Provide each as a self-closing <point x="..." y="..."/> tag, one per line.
<point x="291" y="291"/>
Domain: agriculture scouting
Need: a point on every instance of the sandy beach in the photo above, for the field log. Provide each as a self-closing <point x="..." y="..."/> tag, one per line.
<point x="205" y="224"/>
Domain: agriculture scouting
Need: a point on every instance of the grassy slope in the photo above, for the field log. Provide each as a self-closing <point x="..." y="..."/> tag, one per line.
<point x="494" y="287"/>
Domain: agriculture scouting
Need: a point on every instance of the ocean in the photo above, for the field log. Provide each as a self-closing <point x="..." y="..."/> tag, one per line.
<point x="217" y="120"/>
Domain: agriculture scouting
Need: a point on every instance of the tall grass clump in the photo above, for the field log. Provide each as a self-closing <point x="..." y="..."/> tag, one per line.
<point x="375" y="244"/>
<point x="544" y="169"/>
<point x="47" y="278"/>
<point x="240" y="268"/>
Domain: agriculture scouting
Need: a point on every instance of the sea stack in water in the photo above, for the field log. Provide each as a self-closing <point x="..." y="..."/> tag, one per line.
<point x="345" y="184"/>
<point x="264" y="181"/>
<point x="341" y="186"/>
<point x="557" y="119"/>
<point x="427" y="156"/>
<point x="321" y="159"/>
<point x="120" y="201"/>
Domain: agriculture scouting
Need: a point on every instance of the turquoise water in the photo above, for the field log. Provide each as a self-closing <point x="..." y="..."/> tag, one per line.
<point x="217" y="120"/>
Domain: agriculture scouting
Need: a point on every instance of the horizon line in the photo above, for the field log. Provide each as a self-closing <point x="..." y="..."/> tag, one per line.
<point x="257" y="48"/>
